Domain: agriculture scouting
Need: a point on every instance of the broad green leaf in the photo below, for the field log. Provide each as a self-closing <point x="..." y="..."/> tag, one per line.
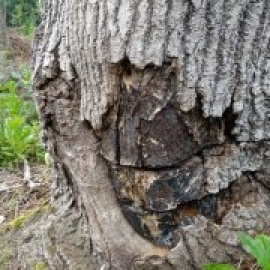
<point x="258" y="247"/>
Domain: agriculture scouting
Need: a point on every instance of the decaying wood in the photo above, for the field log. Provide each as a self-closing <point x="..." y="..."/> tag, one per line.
<point x="157" y="115"/>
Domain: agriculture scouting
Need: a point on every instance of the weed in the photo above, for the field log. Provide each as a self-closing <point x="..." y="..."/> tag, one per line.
<point x="19" y="126"/>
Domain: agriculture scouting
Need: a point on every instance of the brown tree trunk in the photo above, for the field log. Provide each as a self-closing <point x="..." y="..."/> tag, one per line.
<point x="157" y="115"/>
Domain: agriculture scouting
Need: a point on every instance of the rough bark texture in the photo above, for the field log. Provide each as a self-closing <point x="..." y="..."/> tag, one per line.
<point x="157" y="115"/>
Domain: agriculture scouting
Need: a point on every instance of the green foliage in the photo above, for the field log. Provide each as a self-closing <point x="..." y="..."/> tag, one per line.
<point x="24" y="14"/>
<point x="258" y="247"/>
<point x="19" y="126"/>
<point x="219" y="267"/>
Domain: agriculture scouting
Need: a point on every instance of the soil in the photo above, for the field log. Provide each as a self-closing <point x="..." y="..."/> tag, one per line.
<point x="16" y="197"/>
<point x="20" y="47"/>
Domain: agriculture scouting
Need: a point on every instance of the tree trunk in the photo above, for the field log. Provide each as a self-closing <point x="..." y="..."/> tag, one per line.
<point x="157" y="116"/>
<point x="3" y="38"/>
<point x="5" y="65"/>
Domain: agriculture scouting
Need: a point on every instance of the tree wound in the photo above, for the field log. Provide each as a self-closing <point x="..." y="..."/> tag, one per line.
<point x="158" y="156"/>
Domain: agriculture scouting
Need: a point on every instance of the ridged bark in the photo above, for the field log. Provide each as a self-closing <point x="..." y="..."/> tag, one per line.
<point x="157" y="115"/>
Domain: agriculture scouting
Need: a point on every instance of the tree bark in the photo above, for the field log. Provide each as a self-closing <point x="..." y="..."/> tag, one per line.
<point x="3" y="37"/>
<point x="157" y="116"/>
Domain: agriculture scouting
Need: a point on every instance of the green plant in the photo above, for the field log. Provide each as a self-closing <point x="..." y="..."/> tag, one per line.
<point x="24" y="14"/>
<point x="8" y="87"/>
<point x="18" y="138"/>
<point x="258" y="247"/>
<point x="19" y="126"/>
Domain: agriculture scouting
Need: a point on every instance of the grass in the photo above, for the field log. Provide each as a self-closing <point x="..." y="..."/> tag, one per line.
<point x="19" y="125"/>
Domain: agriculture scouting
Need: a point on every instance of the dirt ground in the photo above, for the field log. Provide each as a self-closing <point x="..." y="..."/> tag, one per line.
<point x="17" y="198"/>
<point x="20" y="47"/>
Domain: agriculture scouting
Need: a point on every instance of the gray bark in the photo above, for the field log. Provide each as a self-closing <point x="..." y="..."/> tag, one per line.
<point x="157" y="115"/>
